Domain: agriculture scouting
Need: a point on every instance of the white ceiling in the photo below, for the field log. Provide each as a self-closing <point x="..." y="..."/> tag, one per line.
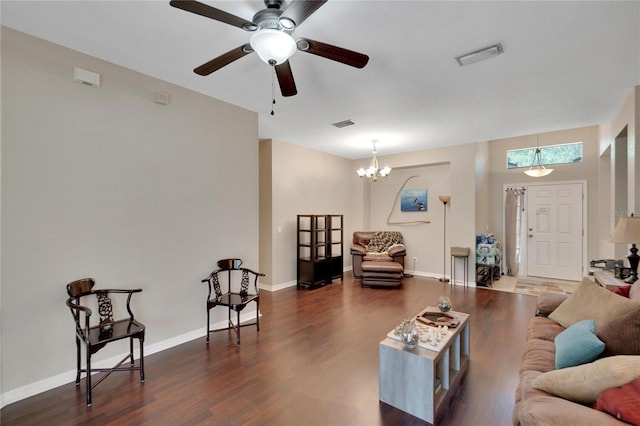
<point x="566" y="64"/>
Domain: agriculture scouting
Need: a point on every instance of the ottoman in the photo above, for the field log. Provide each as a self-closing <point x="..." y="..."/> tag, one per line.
<point x="381" y="274"/>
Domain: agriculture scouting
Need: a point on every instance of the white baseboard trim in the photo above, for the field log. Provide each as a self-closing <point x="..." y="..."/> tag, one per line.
<point x="276" y="287"/>
<point x="438" y="276"/>
<point x="49" y="383"/>
<point x="294" y="283"/>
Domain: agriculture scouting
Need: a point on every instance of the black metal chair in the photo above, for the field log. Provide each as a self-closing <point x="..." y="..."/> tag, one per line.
<point x="234" y="301"/>
<point x="108" y="330"/>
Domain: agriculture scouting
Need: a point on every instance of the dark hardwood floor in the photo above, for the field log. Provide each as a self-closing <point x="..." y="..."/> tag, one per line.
<point x="314" y="362"/>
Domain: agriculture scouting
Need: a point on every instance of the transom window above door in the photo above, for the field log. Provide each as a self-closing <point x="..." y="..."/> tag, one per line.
<point x="551" y="154"/>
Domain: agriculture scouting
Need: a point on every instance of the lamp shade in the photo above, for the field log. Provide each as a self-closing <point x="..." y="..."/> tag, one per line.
<point x="627" y="231"/>
<point x="274" y="47"/>
<point x="538" y="172"/>
<point x="444" y="198"/>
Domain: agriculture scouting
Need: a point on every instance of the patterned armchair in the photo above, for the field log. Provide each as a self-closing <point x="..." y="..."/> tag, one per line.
<point x="384" y="246"/>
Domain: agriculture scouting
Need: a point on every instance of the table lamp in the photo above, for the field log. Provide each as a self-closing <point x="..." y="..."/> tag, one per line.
<point x="628" y="231"/>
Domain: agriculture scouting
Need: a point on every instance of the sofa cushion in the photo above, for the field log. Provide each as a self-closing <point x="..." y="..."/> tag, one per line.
<point x="547" y="410"/>
<point x="578" y="344"/>
<point x="377" y="257"/>
<point x="590" y="301"/>
<point x="543" y="328"/>
<point x="524" y="389"/>
<point x="622" y="402"/>
<point x="583" y="383"/>
<point x="548" y="302"/>
<point x="621" y="336"/>
<point x="539" y="355"/>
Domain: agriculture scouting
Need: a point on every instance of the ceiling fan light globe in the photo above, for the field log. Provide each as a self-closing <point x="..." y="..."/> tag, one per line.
<point x="272" y="46"/>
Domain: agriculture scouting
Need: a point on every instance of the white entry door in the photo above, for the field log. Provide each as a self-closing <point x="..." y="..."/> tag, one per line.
<point x="555" y="231"/>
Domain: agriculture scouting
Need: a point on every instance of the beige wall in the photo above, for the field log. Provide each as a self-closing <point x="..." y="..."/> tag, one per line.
<point x="587" y="171"/>
<point x="483" y="187"/>
<point x="441" y="171"/>
<point x="473" y="174"/>
<point x="266" y="214"/>
<point x="103" y="182"/>
<point x="620" y="170"/>
<point x="304" y="181"/>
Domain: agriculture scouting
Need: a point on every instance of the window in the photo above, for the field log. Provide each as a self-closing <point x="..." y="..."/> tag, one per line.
<point x="551" y="154"/>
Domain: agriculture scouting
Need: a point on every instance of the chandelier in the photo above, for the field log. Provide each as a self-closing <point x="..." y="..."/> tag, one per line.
<point x="537" y="169"/>
<point x="373" y="172"/>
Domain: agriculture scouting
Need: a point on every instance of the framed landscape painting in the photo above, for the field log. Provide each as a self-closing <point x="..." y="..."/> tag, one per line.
<point x="413" y="200"/>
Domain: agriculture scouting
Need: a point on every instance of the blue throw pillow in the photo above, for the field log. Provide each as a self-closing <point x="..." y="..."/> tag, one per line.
<point x="578" y="344"/>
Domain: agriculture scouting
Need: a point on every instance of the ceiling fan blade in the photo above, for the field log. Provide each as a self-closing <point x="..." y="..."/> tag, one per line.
<point x="299" y="10"/>
<point x="285" y="79"/>
<point x="224" y="59"/>
<point x="339" y="54"/>
<point x="213" y="13"/>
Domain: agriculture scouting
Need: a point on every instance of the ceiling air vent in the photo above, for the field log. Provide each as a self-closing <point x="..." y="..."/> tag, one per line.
<point x="345" y="123"/>
<point x="480" y="54"/>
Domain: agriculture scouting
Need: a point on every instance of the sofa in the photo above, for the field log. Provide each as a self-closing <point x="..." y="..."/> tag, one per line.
<point x="581" y="360"/>
<point x="378" y="246"/>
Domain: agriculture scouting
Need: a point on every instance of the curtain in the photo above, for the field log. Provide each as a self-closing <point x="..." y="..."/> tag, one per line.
<point x="513" y="222"/>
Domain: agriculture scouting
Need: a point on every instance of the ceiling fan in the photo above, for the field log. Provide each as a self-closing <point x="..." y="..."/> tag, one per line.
<point x="273" y="38"/>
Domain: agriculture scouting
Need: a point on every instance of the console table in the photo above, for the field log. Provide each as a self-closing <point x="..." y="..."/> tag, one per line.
<point x="607" y="279"/>
<point x="421" y="381"/>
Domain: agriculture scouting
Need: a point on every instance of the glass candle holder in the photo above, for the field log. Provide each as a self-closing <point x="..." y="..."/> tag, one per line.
<point x="444" y="304"/>
<point x="409" y="335"/>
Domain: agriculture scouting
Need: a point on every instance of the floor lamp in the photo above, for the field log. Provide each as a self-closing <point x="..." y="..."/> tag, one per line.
<point x="445" y="199"/>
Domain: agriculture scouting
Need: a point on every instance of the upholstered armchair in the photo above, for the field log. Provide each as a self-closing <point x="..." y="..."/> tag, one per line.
<point x="385" y="246"/>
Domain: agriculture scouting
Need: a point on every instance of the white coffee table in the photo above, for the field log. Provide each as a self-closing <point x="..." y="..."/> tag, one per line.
<point x="420" y="381"/>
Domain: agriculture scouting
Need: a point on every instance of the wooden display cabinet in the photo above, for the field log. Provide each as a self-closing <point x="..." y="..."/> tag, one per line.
<point x="320" y="249"/>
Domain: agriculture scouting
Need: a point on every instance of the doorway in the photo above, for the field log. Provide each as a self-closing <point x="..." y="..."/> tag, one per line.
<point x="555" y="230"/>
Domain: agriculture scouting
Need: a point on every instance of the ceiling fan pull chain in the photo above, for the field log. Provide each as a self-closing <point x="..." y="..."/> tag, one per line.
<point x="273" y="89"/>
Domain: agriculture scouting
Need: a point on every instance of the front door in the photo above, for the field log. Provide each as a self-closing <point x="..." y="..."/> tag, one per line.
<point x="555" y="231"/>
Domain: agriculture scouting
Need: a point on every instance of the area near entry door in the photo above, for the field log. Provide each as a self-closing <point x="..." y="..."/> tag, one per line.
<point x="555" y="231"/>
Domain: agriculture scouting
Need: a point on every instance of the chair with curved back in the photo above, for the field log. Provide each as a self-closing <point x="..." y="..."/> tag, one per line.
<point x="234" y="301"/>
<point x="95" y="337"/>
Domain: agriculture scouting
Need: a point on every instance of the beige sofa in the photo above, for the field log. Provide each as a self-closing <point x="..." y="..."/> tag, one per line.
<point x="534" y="406"/>
<point x="380" y="246"/>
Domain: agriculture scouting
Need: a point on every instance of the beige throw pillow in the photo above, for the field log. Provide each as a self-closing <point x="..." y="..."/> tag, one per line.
<point x="583" y="383"/>
<point x="590" y="301"/>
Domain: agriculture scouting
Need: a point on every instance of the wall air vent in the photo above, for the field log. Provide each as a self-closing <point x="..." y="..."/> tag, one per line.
<point x="345" y="123"/>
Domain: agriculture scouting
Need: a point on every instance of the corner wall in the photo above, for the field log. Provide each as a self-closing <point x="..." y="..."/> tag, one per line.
<point x="266" y="213"/>
<point x="442" y="171"/>
<point x="304" y="181"/>
<point x="105" y="183"/>
<point x="623" y="167"/>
